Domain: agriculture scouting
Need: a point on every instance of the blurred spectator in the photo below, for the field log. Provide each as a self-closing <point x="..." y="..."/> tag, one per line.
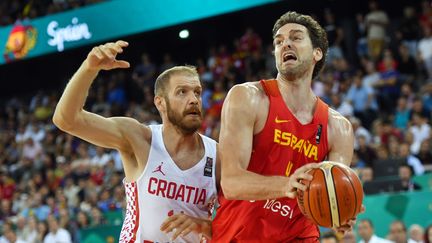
<point x="408" y="93"/>
<point x="101" y="158"/>
<point x="366" y="174"/>
<point x="386" y="131"/>
<point x="428" y="234"/>
<point x="359" y="131"/>
<point x="407" y="65"/>
<point x="6" y="210"/>
<point x="116" y="96"/>
<point x="360" y="30"/>
<point x="105" y="202"/>
<point x="425" y="153"/>
<point x="56" y="233"/>
<point x="408" y="30"/>
<point x="420" y="130"/>
<point x="71" y="192"/>
<point x="32" y="149"/>
<point x="416" y="233"/>
<point x="144" y="72"/>
<point x="425" y="50"/>
<point x="335" y="36"/>
<point x="376" y="22"/>
<point x="367" y="234"/>
<point x="42" y="231"/>
<point x="397" y="232"/>
<point x="167" y="63"/>
<point x="96" y="217"/>
<point x="348" y="237"/>
<point x="411" y="160"/>
<point x="405" y="174"/>
<point x="365" y="152"/>
<point x="11" y="237"/>
<point x="372" y="76"/>
<point x="41" y="211"/>
<point x="342" y="106"/>
<point x="388" y="89"/>
<point x="29" y="232"/>
<point x="6" y="227"/>
<point x="419" y="109"/>
<point x="250" y="41"/>
<point x="402" y="114"/>
<point x="425" y="17"/>
<point x="329" y="237"/>
<point x="363" y="100"/>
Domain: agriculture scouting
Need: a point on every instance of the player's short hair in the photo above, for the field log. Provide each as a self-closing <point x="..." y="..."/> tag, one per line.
<point x="317" y="34"/>
<point x="163" y="79"/>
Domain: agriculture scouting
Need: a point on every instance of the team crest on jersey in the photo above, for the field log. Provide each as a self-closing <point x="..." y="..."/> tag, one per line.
<point x="159" y="169"/>
<point x="208" y="168"/>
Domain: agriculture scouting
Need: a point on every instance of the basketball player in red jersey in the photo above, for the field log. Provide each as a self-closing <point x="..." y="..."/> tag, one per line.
<point x="272" y="132"/>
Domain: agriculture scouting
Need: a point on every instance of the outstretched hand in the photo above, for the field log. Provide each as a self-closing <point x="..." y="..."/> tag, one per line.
<point x="103" y="57"/>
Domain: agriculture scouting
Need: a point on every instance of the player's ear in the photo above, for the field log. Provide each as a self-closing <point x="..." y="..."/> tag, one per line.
<point x="317" y="54"/>
<point x="159" y="102"/>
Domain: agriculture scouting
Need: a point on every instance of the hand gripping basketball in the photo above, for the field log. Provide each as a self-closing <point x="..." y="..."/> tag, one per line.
<point x="301" y="174"/>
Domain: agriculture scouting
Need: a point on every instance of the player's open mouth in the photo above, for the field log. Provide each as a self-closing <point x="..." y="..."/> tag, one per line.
<point x="289" y="57"/>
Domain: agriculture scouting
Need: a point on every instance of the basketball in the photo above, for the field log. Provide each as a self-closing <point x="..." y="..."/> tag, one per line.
<point x="333" y="196"/>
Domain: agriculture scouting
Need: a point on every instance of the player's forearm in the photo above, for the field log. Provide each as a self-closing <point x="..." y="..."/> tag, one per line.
<point x="74" y="96"/>
<point x="251" y="186"/>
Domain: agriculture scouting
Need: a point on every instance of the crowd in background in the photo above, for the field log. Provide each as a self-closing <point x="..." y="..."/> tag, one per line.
<point x="16" y="10"/>
<point x="53" y="184"/>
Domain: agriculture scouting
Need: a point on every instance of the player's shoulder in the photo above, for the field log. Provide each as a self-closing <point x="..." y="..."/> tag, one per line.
<point x="248" y="91"/>
<point x="337" y="120"/>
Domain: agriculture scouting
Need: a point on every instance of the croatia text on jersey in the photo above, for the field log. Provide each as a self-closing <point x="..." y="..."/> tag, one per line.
<point x="176" y="191"/>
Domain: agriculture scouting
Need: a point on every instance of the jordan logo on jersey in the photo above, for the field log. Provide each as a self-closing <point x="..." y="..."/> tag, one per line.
<point x="159" y="169"/>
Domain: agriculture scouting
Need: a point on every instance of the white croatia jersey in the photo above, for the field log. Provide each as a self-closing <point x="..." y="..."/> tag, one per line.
<point x="163" y="189"/>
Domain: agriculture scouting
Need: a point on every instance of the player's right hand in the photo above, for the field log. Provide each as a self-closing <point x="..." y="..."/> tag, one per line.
<point x="103" y="57"/>
<point x="294" y="181"/>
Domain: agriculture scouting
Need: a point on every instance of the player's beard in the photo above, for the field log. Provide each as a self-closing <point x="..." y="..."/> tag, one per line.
<point x="296" y="71"/>
<point x="179" y="119"/>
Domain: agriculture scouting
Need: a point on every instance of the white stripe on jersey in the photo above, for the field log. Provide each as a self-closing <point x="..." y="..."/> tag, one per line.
<point x="164" y="189"/>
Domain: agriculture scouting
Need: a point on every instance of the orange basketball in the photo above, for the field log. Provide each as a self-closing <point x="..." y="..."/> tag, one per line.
<point x="334" y="195"/>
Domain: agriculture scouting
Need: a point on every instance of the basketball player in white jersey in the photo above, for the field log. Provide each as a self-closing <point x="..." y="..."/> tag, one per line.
<point x="170" y="169"/>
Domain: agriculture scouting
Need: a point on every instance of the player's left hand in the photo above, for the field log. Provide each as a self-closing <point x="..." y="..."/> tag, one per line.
<point x="182" y="224"/>
<point x="350" y="224"/>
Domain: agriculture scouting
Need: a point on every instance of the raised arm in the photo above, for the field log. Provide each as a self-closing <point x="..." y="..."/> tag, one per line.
<point x="341" y="138"/>
<point x="70" y="116"/>
<point x="235" y="144"/>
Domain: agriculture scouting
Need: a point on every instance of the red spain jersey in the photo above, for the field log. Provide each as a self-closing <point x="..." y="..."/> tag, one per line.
<point x="279" y="149"/>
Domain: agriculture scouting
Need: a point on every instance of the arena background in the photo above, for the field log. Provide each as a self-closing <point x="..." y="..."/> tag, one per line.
<point x="63" y="165"/>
